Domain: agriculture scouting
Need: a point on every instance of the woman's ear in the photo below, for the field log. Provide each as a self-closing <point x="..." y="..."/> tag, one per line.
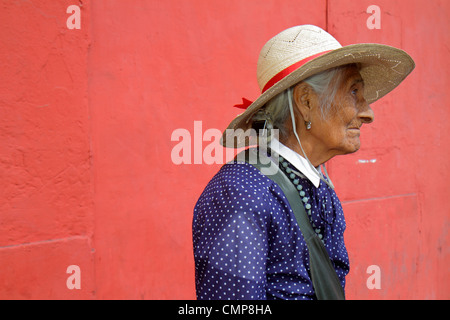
<point x="302" y="96"/>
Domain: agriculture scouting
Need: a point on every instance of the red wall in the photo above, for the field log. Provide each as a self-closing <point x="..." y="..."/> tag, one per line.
<point x="395" y="206"/>
<point x="86" y="121"/>
<point x="46" y="165"/>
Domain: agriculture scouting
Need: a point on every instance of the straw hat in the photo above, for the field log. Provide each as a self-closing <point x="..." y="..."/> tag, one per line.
<point x="302" y="51"/>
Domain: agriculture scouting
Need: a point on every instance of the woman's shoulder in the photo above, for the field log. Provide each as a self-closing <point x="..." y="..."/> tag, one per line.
<point x="239" y="189"/>
<point x="241" y="176"/>
<point x="237" y="181"/>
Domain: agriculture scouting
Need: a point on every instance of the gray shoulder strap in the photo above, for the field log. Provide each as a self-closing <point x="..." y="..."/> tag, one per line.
<point x="327" y="285"/>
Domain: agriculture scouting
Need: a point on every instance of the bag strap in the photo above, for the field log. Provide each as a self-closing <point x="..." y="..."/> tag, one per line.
<point x="327" y="285"/>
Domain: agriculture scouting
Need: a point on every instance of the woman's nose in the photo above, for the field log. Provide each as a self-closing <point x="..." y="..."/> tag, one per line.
<point x="366" y="114"/>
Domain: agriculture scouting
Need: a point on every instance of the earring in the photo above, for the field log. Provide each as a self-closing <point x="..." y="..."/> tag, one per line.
<point x="308" y="125"/>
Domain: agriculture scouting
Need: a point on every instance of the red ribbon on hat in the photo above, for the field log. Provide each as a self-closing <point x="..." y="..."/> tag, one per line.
<point x="245" y="104"/>
<point x="283" y="73"/>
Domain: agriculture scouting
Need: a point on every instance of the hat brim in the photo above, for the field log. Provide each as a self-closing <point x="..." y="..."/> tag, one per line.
<point x="383" y="68"/>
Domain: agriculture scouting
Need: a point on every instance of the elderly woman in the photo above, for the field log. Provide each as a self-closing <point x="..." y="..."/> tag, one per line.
<point x="248" y="240"/>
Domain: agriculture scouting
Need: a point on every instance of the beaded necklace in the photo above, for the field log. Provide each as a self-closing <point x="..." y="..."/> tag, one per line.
<point x="293" y="177"/>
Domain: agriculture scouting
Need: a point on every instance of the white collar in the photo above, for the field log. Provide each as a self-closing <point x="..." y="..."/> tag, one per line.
<point x="299" y="162"/>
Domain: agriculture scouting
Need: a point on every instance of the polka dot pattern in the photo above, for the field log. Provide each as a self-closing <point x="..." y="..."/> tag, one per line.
<point x="247" y="244"/>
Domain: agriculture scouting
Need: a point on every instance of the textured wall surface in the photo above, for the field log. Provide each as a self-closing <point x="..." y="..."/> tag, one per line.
<point x="393" y="188"/>
<point x="87" y="176"/>
<point x="46" y="187"/>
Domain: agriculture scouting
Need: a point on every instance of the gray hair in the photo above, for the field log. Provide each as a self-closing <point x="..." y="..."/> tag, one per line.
<point x="275" y="113"/>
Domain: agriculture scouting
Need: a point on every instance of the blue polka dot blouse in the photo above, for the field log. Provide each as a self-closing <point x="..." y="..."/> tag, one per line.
<point x="247" y="243"/>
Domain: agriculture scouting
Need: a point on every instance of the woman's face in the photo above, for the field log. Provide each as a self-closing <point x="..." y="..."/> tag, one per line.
<point x="339" y="132"/>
